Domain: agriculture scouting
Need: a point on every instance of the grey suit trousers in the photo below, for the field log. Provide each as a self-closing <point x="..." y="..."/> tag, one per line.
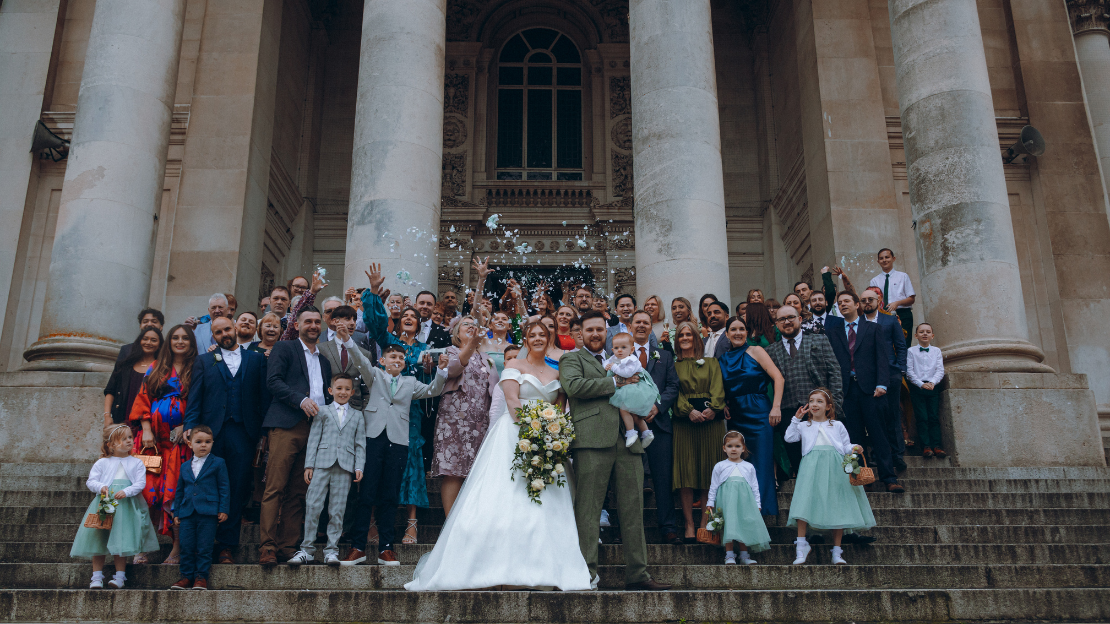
<point x="332" y="484"/>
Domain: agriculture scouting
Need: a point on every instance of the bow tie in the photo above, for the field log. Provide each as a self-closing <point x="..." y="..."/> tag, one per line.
<point x="925" y="349"/>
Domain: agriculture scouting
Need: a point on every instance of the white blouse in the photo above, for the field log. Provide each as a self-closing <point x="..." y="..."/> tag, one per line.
<point x="104" y="472"/>
<point x="724" y="470"/>
<point x="807" y="433"/>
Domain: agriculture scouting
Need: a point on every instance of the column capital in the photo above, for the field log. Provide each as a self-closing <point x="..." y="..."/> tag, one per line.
<point x="1088" y="15"/>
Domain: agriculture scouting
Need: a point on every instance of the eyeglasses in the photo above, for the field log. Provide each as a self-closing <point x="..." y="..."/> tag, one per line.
<point x="792" y="317"/>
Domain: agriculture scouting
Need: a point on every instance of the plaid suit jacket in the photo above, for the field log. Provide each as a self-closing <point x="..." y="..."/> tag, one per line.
<point x="814" y="366"/>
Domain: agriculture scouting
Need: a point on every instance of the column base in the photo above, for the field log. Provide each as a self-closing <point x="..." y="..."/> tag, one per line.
<point x="72" y="354"/>
<point x="1020" y="419"/>
<point x="995" y="356"/>
<point x="51" y="416"/>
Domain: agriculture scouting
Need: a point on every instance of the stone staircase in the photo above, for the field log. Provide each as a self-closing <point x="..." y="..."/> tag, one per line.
<point x="1015" y="544"/>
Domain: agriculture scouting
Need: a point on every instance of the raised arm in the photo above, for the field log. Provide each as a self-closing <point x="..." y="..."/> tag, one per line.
<point x="307" y="299"/>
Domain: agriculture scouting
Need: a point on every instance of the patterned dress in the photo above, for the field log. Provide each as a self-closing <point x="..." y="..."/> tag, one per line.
<point x="463" y="417"/>
<point x="165" y="413"/>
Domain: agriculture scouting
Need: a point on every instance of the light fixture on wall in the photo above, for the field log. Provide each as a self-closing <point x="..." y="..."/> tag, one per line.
<point x="1029" y="143"/>
<point x="47" y="144"/>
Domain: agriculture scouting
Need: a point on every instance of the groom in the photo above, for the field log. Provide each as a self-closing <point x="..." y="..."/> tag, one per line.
<point x="599" y="453"/>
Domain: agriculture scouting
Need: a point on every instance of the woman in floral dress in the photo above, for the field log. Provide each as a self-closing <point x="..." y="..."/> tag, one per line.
<point x="463" y="411"/>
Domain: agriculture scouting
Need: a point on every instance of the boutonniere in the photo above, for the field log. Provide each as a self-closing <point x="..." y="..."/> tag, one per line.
<point x="699" y="362"/>
<point x="655" y="355"/>
<point x="219" y="357"/>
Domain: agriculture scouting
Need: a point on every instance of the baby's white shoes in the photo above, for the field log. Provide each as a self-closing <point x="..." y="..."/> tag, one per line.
<point x="629" y="438"/>
<point x="646" y="437"/>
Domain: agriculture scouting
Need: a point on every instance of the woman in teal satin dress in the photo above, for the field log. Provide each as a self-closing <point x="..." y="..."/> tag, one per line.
<point x="747" y="370"/>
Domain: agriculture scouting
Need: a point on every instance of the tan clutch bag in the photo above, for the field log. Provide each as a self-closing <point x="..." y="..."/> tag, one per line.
<point x="153" y="463"/>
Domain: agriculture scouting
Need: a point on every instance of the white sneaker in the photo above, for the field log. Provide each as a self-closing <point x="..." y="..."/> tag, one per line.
<point x="646" y="437"/>
<point x="96" y="584"/>
<point x="299" y="559"/>
<point x="837" y="557"/>
<point x="630" y="438"/>
<point x="604" y="518"/>
<point x="803" y="549"/>
<point x="332" y="560"/>
<point x="745" y="558"/>
<point x="730" y="558"/>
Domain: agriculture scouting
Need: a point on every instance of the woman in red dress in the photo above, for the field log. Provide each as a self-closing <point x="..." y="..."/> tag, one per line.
<point x="563" y="317"/>
<point x="160" y="410"/>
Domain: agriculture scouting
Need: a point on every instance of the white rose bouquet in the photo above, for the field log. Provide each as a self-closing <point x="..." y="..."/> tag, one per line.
<point x="851" y="464"/>
<point x="545" y="435"/>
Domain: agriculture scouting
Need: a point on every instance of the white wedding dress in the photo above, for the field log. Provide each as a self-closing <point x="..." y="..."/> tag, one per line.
<point x="495" y="534"/>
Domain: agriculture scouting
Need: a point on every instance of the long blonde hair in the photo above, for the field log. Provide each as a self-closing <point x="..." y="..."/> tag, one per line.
<point x="699" y="346"/>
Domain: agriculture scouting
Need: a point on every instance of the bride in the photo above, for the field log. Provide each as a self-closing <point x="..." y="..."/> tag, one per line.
<point x="495" y="534"/>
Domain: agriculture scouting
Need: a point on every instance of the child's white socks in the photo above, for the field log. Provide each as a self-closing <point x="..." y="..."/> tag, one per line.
<point x="646" y="437"/>
<point x="802" y="550"/>
<point x="629" y="438"/>
<point x="730" y="557"/>
<point x="745" y="558"/>
<point x="118" y="580"/>
<point x="838" y="555"/>
<point x="97" y="581"/>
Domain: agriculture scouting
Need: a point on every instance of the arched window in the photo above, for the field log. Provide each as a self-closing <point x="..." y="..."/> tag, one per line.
<point x="539" y="107"/>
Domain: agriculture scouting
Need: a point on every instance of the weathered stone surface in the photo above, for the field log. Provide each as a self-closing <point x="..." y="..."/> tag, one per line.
<point x="51" y="416"/>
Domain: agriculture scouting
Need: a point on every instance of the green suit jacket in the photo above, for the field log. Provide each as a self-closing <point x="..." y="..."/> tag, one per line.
<point x="588" y="388"/>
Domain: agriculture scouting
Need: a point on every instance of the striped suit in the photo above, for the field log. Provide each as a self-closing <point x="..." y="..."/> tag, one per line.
<point x="814" y="366"/>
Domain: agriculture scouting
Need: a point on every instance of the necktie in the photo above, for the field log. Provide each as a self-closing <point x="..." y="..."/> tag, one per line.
<point x="343" y="357"/>
<point x="852" y="344"/>
<point x="342" y="411"/>
<point x="793" y="348"/>
<point x="599" y="360"/>
<point x="643" y="357"/>
<point x="886" y="290"/>
<point x="392" y="387"/>
<point x="925" y="349"/>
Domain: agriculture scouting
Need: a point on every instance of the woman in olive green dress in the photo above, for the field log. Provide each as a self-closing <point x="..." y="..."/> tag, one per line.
<point x="698" y="421"/>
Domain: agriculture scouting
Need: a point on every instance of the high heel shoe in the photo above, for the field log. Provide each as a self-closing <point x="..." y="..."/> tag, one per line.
<point x="410" y="539"/>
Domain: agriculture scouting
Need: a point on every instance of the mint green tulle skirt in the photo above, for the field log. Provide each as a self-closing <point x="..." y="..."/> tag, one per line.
<point x="824" y="497"/>
<point x="743" y="522"/>
<point x="132" y="531"/>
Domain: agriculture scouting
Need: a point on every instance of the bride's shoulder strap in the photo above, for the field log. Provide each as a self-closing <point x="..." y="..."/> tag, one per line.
<point x="511" y="373"/>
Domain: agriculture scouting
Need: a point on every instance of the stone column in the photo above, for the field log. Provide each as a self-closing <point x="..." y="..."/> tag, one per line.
<point x="965" y="238"/>
<point x="1089" y="22"/>
<point x="398" y="144"/>
<point x="104" y="245"/>
<point x="681" y="244"/>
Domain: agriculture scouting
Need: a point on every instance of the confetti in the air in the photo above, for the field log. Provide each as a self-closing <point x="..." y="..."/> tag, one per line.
<point x="491" y="223"/>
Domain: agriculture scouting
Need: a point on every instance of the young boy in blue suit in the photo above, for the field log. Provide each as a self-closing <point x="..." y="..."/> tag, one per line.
<point x="202" y="503"/>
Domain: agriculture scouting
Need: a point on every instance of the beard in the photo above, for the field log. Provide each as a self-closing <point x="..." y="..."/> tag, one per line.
<point x="228" y="342"/>
<point x="817" y="308"/>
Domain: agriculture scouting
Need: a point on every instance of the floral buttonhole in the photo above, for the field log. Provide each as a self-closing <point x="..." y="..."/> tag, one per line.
<point x="699" y="361"/>
<point x="219" y="358"/>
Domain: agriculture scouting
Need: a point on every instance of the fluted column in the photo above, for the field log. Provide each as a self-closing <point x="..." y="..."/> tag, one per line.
<point x="965" y="238"/>
<point x="681" y="244"/>
<point x="398" y="145"/>
<point x="1090" y="23"/>
<point x="104" y="245"/>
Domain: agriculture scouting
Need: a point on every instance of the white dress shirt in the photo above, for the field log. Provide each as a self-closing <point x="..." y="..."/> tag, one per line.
<point x="331" y="334"/>
<point x="637" y="348"/>
<point x="341" y="414"/>
<point x="711" y="341"/>
<point x="232" y="359"/>
<point x="924" y="367"/>
<point x="900" y="286"/>
<point x="197" y="464"/>
<point x="797" y="340"/>
<point x="315" y="373"/>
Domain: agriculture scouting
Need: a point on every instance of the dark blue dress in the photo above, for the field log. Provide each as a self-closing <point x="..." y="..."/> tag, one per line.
<point x="746" y="394"/>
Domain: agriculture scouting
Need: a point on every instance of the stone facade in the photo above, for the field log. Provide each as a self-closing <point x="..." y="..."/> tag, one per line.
<point x="724" y="146"/>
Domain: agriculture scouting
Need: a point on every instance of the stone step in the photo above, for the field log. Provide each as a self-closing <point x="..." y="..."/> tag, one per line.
<point x="819" y="575"/>
<point x="835" y="605"/>
<point x="878" y="500"/>
<point x="695" y="554"/>
<point x="944" y="534"/>
<point x="72" y="515"/>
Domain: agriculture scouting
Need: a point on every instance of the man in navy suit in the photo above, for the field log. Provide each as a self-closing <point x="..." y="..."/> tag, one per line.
<point x="891" y="401"/>
<point x="660" y="458"/>
<point x="227" y="392"/>
<point x="297" y="375"/>
<point x="864" y="357"/>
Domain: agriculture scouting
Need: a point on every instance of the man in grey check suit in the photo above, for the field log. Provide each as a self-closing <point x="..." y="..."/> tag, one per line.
<point x="340" y="353"/>
<point x="336" y="448"/>
<point x="806" y="361"/>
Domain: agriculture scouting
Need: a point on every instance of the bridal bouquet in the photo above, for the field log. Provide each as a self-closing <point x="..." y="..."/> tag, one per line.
<point x="545" y="437"/>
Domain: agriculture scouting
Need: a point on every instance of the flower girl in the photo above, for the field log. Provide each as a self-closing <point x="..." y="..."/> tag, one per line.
<point x="634" y="400"/>
<point x="734" y="491"/>
<point x="116" y="479"/>
<point x="823" y="496"/>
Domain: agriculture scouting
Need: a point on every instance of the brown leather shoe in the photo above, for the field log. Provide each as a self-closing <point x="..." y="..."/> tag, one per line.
<point x="672" y="538"/>
<point x="354" y="557"/>
<point x="894" y="488"/>
<point x="201" y="584"/>
<point x="267" y="558"/>
<point x="225" y="558"/>
<point x="927" y="452"/>
<point x="184" y="583"/>
<point x="939" y="452"/>
<point x="648" y="585"/>
<point x="388" y="558"/>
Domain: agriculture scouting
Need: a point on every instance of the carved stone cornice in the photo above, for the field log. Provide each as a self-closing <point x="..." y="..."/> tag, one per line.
<point x="1088" y="15"/>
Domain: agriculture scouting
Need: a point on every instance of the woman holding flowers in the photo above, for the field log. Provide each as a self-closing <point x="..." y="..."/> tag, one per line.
<point x="698" y="421"/>
<point x="503" y="529"/>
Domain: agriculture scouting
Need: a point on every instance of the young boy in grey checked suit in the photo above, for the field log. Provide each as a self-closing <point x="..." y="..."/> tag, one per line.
<point x="336" y="448"/>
